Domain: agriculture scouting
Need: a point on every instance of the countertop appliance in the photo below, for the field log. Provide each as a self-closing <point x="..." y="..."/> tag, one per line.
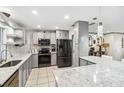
<point x="44" y="42"/>
<point x="44" y="57"/>
<point x="64" y="52"/>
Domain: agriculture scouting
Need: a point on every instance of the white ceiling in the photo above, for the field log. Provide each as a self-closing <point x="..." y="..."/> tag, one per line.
<point x="51" y="16"/>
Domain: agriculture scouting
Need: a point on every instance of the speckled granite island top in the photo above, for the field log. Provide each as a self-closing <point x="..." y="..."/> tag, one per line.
<point x="7" y="72"/>
<point x="105" y="73"/>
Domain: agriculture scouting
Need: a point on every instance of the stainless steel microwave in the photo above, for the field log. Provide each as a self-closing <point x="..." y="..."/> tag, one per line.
<point x="44" y="42"/>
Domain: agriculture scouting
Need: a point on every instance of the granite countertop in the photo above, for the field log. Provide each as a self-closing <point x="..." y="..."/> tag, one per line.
<point x="7" y="72"/>
<point x="105" y="73"/>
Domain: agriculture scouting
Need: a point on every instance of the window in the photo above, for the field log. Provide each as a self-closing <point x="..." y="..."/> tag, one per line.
<point x="2" y="43"/>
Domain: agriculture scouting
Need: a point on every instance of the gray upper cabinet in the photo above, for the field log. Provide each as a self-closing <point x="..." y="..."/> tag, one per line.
<point x="44" y="35"/>
<point x="47" y="35"/>
<point x="37" y="35"/>
<point x="53" y="38"/>
<point x="62" y="34"/>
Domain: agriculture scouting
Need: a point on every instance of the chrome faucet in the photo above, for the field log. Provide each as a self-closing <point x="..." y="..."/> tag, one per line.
<point x="5" y="55"/>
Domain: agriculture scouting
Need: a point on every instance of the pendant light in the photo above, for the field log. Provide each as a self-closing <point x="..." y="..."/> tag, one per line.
<point x="100" y="24"/>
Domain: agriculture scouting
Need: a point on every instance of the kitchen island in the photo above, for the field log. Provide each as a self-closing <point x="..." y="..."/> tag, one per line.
<point x="104" y="73"/>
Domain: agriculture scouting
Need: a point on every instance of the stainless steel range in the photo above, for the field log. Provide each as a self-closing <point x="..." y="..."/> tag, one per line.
<point x="44" y="57"/>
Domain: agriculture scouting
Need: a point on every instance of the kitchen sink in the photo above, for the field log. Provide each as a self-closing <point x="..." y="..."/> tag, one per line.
<point x="11" y="63"/>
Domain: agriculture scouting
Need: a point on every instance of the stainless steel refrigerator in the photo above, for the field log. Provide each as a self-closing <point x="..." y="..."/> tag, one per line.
<point x="64" y="52"/>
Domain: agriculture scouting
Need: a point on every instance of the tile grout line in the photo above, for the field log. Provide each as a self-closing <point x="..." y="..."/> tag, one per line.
<point x="50" y="75"/>
<point x="47" y="71"/>
<point x="37" y="77"/>
<point x="48" y="78"/>
<point x="45" y="76"/>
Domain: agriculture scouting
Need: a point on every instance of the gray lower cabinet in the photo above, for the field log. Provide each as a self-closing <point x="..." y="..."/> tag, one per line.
<point x="24" y="72"/>
<point x="20" y="77"/>
<point x="13" y="81"/>
<point x="53" y="58"/>
<point x="34" y="60"/>
<point x="84" y="62"/>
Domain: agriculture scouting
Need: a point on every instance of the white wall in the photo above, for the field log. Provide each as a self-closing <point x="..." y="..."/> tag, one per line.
<point x="115" y="49"/>
<point x="21" y="50"/>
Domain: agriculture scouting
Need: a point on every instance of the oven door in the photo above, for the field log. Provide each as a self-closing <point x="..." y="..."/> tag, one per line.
<point x="44" y="60"/>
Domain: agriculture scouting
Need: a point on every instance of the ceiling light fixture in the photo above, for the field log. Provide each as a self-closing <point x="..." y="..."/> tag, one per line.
<point x="66" y="17"/>
<point x="100" y="25"/>
<point x="34" y="12"/>
<point x="57" y="27"/>
<point x="39" y="26"/>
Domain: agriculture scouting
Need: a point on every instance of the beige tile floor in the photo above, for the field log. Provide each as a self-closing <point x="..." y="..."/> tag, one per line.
<point x="41" y="77"/>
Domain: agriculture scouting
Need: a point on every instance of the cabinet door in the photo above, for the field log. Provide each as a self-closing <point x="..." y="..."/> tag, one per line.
<point x="62" y="35"/>
<point x="21" y="71"/>
<point x="30" y="64"/>
<point x="35" y="38"/>
<point x="47" y="35"/>
<point x="53" y="59"/>
<point x="66" y="35"/>
<point x="53" y="38"/>
<point x="40" y="35"/>
<point x="34" y="60"/>
<point x="24" y="74"/>
<point x="58" y="34"/>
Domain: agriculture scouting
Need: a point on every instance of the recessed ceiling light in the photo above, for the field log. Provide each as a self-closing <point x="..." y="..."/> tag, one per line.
<point x="66" y="17"/>
<point x="39" y="26"/>
<point x="34" y="12"/>
<point x="57" y="27"/>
